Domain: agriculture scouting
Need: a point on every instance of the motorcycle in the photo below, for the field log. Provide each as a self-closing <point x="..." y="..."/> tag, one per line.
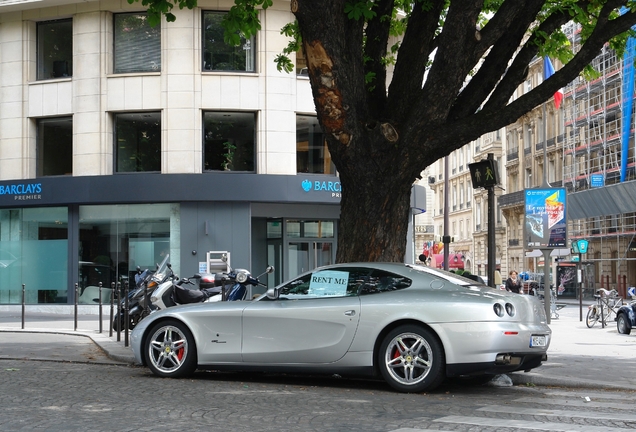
<point x="230" y="286"/>
<point x="139" y="305"/>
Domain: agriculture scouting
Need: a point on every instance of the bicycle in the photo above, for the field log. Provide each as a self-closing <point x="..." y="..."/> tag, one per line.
<point x="607" y="304"/>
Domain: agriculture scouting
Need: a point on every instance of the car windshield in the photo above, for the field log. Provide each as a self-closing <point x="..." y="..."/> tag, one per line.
<point x="443" y="274"/>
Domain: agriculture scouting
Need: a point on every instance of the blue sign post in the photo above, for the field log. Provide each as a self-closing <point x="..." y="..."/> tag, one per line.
<point x="580" y="247"/>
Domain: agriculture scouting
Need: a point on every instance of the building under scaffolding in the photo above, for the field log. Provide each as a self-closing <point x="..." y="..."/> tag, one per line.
<point x="599" y="164"/>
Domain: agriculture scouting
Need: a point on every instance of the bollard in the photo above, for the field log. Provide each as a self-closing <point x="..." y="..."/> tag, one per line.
<point x="112" y="300"/>
<point x="23" y="300"/>
<point x="100" y="307"/>
<point x="76" y="299"/>
<point x="126" y="318"/>
<point x="119" y="312"/>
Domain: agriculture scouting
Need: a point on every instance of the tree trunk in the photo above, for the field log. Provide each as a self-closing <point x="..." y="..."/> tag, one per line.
<point x="375" y="203"/>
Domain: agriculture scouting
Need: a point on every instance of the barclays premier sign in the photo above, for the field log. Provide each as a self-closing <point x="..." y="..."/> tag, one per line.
<point x="22" y="191"/>
<point x="323" y="186"/>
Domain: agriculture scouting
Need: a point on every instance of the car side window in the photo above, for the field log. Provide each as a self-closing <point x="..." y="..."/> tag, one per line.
<point x="381" y="281"/>
<point x="341" y="282"/>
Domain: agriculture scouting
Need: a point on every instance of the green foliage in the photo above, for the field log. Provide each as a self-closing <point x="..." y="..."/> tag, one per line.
<point x="284" y="63"/>
<point x="228" y="156"/>
<point x="362" y="8"/>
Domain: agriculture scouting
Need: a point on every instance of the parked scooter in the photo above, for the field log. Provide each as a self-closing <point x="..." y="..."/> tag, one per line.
<point x="146" y="282"/>
<point x="230" y="286"/>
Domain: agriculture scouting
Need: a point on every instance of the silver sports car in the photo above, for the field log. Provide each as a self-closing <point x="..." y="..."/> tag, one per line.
<point x="412" y="325"/>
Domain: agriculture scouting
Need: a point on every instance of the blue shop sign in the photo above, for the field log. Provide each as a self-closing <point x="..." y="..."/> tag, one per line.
<point x="597" y="180"/>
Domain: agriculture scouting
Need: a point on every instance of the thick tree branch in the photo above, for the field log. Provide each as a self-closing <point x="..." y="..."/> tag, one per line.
<point x="412" y="59"/>
<point x="455" y="53"/>
<point x="518" y="19"/>
<point x="375" y="49"/>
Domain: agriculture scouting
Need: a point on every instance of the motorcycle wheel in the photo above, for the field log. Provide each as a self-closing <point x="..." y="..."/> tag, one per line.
<point x="119" y="323"/>
<point x="591" y="318"/>
<point x="170" y="350"/>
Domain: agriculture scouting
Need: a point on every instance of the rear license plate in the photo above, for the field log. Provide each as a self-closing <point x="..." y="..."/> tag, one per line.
<point x="537" y="340"/>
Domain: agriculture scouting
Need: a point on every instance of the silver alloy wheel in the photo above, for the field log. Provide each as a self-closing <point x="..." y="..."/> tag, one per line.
<point x="408" y="358"/>
<point x="168" y="349"/>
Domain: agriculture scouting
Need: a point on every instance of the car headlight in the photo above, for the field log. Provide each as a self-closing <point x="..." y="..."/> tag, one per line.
<point x="241" y="277"/>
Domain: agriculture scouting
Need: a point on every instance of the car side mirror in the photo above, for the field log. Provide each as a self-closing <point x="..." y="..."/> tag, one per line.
<point x="272" y="293"/>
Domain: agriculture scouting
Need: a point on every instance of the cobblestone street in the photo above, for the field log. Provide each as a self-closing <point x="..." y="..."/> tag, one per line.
<point x="63" y="396"/>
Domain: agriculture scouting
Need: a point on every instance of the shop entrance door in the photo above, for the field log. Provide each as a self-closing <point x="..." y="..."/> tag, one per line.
<point x="307" y="255"/>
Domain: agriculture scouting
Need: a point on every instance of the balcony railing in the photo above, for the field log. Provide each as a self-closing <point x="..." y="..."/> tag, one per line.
<point x="512" y="199"/>
<point x="512" y="155"/>
<point x="513" y="242"/>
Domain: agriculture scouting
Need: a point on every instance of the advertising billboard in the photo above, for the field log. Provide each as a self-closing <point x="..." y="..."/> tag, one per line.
<point x="545" y="225"/>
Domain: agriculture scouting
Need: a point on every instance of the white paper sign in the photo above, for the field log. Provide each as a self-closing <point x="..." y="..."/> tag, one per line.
<point x="329" y="283"/>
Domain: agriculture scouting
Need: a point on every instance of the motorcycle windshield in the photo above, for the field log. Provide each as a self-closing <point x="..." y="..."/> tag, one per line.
<point x="160" y="274"/>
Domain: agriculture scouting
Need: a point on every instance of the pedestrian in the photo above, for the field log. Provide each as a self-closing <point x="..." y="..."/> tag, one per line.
<point x="513" y="284"/>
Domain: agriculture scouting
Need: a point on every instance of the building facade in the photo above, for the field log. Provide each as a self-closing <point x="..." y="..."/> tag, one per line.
<point x="121" y="142"/>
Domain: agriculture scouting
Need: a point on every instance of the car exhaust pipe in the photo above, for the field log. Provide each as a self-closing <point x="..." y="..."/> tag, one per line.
<point x="502" y="359"/>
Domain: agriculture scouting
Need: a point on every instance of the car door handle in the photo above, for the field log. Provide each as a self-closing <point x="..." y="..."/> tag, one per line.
<point x="350" y="313"/>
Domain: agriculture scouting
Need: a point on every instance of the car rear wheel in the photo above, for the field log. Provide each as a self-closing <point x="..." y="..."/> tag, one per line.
<point x="411" y="359"/>
<point x="622" y="324"/>
<point x="170" y="350"/>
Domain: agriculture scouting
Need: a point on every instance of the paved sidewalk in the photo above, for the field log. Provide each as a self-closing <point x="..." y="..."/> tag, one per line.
<point x="595" y="358"/>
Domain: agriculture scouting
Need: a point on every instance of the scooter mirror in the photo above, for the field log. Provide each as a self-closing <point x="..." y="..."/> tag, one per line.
<point x="270" y="269"/>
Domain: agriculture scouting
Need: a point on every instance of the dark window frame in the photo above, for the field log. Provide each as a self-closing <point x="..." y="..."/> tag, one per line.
<point x="137" y="55"/>
<point x="142" y="157"/>
<point x="54" y="58"/>
<point x="228" y="144"/>
<point x="225" y="58"/>
<point x="54" y="148"/>
<point x="312" y="158"/>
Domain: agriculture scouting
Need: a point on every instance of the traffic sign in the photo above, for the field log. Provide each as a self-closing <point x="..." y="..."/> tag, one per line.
<point x="484" y="174"/>
<point x="582" y="245"/>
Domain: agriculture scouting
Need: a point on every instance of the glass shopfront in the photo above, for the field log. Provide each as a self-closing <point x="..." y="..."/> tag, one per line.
<point x="116" y="239"/>
<point x="33" y="252"/>
<point x="300" y="245"/>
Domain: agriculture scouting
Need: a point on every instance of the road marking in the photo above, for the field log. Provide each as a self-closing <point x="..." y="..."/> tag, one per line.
<point x="560" y="413"/>
<point x="576" y="402"/>
<point x="525" y="424"/>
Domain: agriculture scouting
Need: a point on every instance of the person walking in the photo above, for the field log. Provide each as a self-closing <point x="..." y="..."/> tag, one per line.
<point x="513" y="283"/>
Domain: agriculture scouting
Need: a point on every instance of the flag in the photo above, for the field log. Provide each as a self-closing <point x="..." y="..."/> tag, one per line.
<point x="548" y="71"/>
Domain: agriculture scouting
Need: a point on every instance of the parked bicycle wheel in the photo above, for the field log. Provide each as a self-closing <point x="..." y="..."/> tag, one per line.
<point x="592" y="316"/>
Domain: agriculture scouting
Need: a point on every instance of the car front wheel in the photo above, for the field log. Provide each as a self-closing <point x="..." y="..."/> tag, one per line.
<point x="411" y="359"/>
<point x="622" y="324"/>
<point x="170" y="350"/>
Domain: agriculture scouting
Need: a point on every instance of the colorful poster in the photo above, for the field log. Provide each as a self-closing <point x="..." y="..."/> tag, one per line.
<point x="545" y="224"/>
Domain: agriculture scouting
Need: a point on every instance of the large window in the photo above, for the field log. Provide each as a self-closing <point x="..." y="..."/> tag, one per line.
<point x="116" y="239"/>
<point x="54" y="146"/>
<point x="54" y="49"/>
<point x="34" y="252"/>
<point x="138" y="142"/>
<point x="312" y="154"/>
<point x="137" y="45"/>
<point x="219" y="56"/>
<point x="228" y="141"/>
